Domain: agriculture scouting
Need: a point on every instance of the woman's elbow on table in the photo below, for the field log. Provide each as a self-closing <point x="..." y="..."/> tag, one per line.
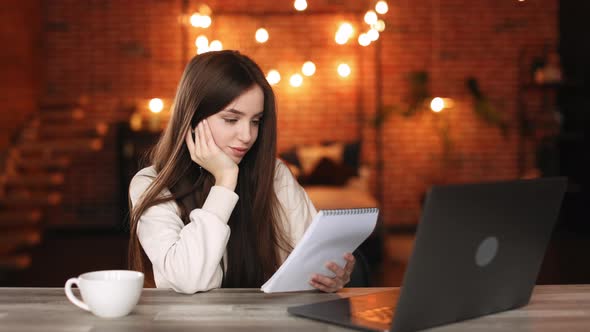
<point x="191" y="284"/>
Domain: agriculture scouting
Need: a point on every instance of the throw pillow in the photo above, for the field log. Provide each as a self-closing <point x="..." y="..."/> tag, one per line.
<point x="309" y="156"/>
<point x="328" y="172"/>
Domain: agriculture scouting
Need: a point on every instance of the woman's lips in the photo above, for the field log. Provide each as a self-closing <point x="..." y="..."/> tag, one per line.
<point x="239" y="152"/>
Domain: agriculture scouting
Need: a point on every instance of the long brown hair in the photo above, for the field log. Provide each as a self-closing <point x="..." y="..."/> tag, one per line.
<point x="209" y="83"/>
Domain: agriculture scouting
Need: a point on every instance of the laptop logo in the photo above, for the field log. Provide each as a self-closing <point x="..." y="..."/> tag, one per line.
<point x="486" y="252"/>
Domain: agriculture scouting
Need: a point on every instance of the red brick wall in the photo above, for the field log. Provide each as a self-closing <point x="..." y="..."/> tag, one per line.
<point x="460" y="39"/>
<point x="21" y="74"/>
<point x="129" y="51"/>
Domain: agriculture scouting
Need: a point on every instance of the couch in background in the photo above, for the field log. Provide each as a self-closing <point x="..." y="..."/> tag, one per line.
<point x="332" y="174"/>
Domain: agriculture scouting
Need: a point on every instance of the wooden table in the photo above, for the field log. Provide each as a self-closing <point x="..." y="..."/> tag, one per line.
<point x="552" y="308"/>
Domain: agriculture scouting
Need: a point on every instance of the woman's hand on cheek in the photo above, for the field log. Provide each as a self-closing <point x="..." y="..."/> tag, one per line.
<point x="205" y="152"/>
<point x="341" y="278"/>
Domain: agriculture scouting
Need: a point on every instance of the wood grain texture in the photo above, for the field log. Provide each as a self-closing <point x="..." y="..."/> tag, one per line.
<point x="552" y="308"/>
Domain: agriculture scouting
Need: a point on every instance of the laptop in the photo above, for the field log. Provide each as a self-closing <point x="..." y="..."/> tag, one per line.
<point x="478" y="251"/>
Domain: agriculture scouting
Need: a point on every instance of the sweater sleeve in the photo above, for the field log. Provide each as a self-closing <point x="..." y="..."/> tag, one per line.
<point x="185" y="257"/>
<point x="298" y="208"/>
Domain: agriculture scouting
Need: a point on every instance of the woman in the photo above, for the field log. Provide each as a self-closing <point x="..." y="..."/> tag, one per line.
<point x="214" y="173"/>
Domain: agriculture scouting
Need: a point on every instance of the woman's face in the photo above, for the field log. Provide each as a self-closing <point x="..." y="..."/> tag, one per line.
<point x="235" y="128"/>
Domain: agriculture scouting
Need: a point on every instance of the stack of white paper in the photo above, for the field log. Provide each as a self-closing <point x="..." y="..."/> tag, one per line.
<point x="331" y="234"/>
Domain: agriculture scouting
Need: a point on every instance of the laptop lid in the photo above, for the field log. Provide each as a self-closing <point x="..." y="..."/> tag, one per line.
<point x="477" y="251"/>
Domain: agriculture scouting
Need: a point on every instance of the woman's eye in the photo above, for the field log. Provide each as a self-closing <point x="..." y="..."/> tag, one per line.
<point x="231" y="120"/>
<point x="256" y="122"/>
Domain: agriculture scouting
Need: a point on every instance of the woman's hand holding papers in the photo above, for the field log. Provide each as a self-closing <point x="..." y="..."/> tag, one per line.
<point x="341" y="278"/>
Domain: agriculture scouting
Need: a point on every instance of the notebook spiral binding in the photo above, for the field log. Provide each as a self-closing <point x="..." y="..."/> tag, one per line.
<point x="339" y="212"/>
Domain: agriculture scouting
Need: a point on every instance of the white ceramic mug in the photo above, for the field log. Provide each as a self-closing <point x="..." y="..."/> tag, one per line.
<point x="109" y="293"/>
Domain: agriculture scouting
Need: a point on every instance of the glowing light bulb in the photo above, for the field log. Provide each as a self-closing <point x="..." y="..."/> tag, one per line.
<point x="341" y="39"/>
<point x="296" y="80"/>
<point x="379" y="25"/>
<point x="381" y="7"/>
<point x="345" y="31"/>
<point x="364" y="39"/>
<point x="205" y="21"/>
<point x="300" y="5"/>
<point x="261" y="35"/>
<point x="346" y="28"/>
<point x="205" y="10"/>
<point x="437" y="104"/>
<point x="156" y="105"/>
<point x="370" y="17"/>
<point x="200" y="21"/>
<point x="215" y="46"/>
<point x="195" y="20"/>
<point x="308" y="68"/>
<point x="273" y="77"/>
<point x="343" y="70"/>
<point x="373" y="34"/>
<point x="202" y="42"/>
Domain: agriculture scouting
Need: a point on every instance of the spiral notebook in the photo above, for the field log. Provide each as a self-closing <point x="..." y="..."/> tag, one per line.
<point x="332" y="233"/>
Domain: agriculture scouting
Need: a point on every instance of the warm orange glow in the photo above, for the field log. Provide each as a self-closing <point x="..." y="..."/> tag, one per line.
<point x="205" y="10"/>
<point x="195" y="20"/>
<point x="364" y="39"/>
<point x="296" y="80"/>
<point x="300" y="5"/>
<point x="381" y="7"/>
<point x="262" y="35"/>
<point x="370" y="17"/>
<point x="200" y="21"/>
<point x="437" y="104"/>
<point x="202" y="42"/>
<point x="344" y="70"/>
<point x="205" y="21"/>
<point x="340" y="39"/>
<point x="156" y="105"/>
<point x="449" y="102"/>
<point x="308" y="68"/>
<point x="379" y="26"/>
<point x="373" y="34"/>
<point x="273" y="77"/>
<point x="215" y="46"/>
<point x="346" y="28"/>
<point x="344" y="33"/>
<point x="136" y="121"/>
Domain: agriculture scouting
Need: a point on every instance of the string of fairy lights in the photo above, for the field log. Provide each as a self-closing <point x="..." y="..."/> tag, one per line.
<point x="369" y="33"/>
<point x="203" y="19"/>
<point x="344" y="34"/>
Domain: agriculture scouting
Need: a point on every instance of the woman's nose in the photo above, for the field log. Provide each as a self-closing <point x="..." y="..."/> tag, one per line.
<point x="245" y="134"/>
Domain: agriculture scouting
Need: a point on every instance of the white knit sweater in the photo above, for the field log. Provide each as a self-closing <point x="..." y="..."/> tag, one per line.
<point x="187" y="258"/>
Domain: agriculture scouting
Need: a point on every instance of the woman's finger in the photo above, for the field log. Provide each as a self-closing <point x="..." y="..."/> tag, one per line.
<point x="338" y="271"/>
<point x="197" y="149"/>
<point x="322" y="287"/>
<point x="350" y="262"/>
<point x="203" y="143"/>
<point x="326" y="281"/>
<point x="319" y="286"/>
<point x="208" y="136"/>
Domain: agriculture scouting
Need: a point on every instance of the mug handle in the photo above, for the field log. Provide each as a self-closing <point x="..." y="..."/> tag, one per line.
<point x="70" y="295"/>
